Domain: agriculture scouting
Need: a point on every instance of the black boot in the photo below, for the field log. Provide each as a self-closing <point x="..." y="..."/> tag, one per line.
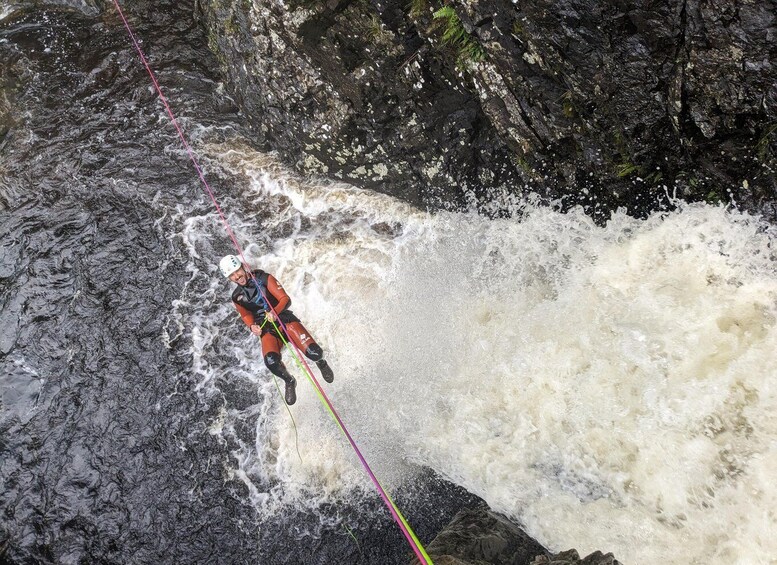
<point x="326" y="370"/>
<point x="291" y="386"/>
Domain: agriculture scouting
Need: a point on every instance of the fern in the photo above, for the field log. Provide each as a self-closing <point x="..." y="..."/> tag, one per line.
<point x="626" y="169"/>
<point x="454" y="34"/>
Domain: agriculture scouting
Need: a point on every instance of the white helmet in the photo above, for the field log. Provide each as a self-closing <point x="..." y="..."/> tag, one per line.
<point x="229" y="264"/>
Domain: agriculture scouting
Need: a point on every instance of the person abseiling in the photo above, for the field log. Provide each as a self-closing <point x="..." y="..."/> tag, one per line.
<point x="258" y="316"/>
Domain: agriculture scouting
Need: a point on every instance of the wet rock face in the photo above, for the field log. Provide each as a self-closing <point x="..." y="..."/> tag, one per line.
<point x="677" y="93"/>
<point x="351" y="91"/>
<point x="599" y="101"/>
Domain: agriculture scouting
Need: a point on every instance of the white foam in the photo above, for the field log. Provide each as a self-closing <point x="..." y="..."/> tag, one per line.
<point x="609" y="387"/>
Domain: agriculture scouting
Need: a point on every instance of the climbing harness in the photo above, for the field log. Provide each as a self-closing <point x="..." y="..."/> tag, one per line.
<point x="412" y="540"/>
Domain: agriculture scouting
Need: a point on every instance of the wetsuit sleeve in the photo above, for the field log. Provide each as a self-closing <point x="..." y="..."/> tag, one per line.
<point x="275" y="288"/>
<point x="248" y="317"/>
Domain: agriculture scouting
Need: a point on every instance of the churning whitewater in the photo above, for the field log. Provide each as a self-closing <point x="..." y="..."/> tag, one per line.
<point x="608" y="387"/>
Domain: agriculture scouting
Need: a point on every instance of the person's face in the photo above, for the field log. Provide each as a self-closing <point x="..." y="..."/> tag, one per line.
<point x="240" y="276"/>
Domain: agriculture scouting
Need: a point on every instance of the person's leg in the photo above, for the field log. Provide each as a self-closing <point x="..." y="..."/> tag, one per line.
<point x="305" y="342"/>
<point x="271" y="351"/>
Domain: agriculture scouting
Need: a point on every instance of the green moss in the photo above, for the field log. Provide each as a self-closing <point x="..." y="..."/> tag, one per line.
<point x="566" y="104"/>
<point x="762" y="147"/>
<point x="213" y="45"/>
<point x="230" y="27"/>
<point x="376" y="33"/>
<point x="418" y="8"/>
<point x="524" y="165"/>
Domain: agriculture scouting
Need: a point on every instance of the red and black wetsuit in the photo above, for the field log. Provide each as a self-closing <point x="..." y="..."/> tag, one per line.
<point x="251" y="303"/>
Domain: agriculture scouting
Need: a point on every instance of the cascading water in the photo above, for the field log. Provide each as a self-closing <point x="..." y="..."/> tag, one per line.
<point x="609" y="387"/>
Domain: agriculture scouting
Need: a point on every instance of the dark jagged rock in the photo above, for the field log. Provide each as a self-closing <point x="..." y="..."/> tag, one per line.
<point x="572" y="557"/>
<point x="617" y="102"/>
<point x="479" y="536"/>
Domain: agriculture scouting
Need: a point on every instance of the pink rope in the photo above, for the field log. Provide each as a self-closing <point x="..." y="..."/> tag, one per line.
<point x="186" y="145"/>
<point x="386" y="499"/>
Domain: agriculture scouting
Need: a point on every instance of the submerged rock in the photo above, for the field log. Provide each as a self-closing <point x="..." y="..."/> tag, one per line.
<point x="606" y="103"/>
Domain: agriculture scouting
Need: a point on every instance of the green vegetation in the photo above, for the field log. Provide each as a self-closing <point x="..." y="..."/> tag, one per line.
<point x="377" y="33"/>
<point x="418" y="8"/>
<point x="230" y="26"/>
<point x="626" y="169"/>
<point x="762" y="147"/>
<point x="698" y="189"/>
<point x="453" y="34"/>
<point x="566" y="104"/>
<point x="713" y="197"/>
<point x="518" y="30"/>
<point x="521" y="161"/>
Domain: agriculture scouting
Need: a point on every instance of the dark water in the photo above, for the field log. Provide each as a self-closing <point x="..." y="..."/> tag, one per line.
<point x="104" y="443"/>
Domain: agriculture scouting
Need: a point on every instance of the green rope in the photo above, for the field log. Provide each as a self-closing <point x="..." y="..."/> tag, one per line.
<point x="398" y="512"/>
<point x="283" y="397"/>
<point x="353" y="537"/>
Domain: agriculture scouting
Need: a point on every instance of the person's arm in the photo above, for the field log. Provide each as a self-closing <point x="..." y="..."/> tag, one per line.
<point x="248" y="318"/>
<point x="276" y="290"/>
